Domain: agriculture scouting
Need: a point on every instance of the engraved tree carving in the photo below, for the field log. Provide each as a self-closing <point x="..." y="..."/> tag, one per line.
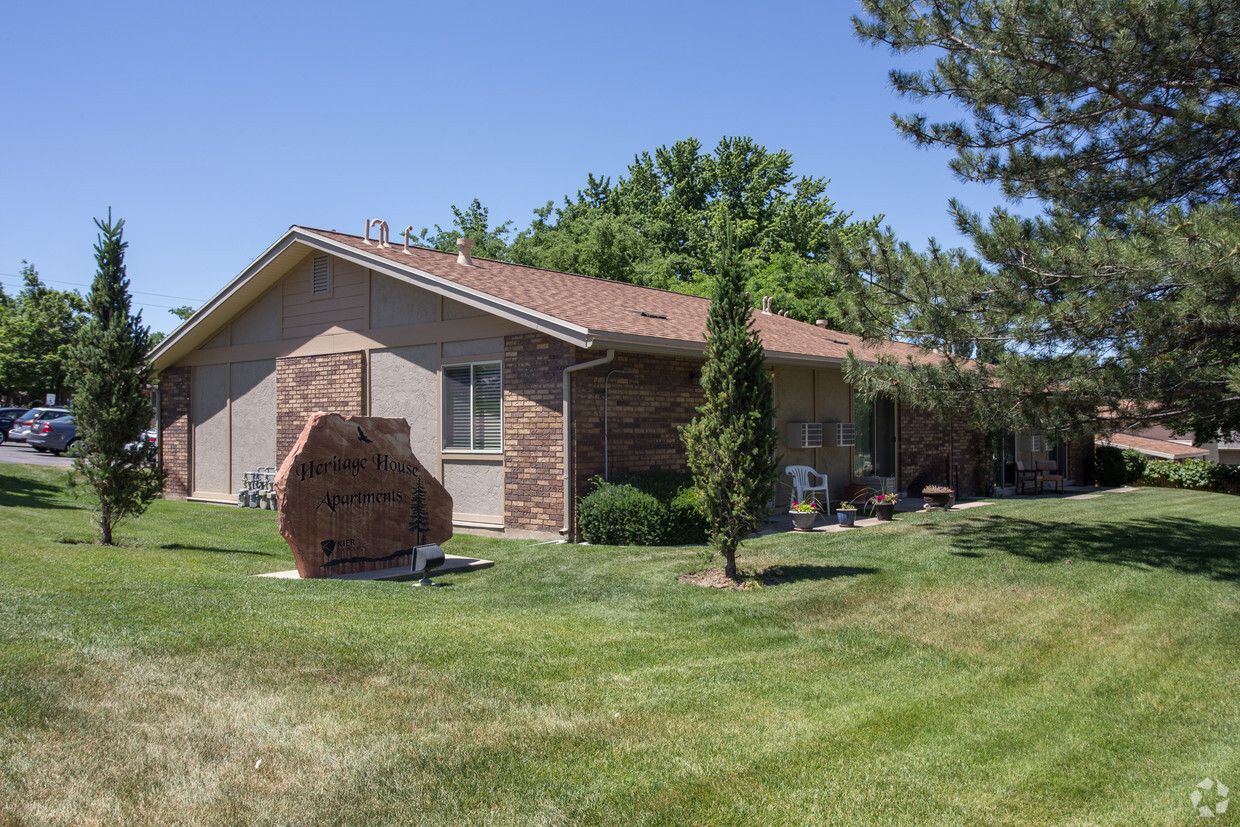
<point x="419" y="520"/>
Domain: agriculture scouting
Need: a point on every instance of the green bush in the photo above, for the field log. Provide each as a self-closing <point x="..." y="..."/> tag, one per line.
<point x="1197" y="474"/>
<point x="662" y="485"/>
<point x="686" y="519"/>
<point x="620" y="515"/>
<point x="1134" y="465"/>
<point x="655" y="508"/>
<point x="1115" y="466"/>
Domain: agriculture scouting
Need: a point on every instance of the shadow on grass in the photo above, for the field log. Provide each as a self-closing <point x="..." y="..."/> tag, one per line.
<point x="20" y="492"/>
<point x="215" y="550"/>
<point x="1184" y="545"/>
<point x="804" y="572"/>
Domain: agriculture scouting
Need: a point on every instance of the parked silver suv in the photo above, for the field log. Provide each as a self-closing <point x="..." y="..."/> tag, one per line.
<point x="20" y="431"/>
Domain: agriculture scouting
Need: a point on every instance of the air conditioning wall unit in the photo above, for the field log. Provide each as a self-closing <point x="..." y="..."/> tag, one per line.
<point x="841" y="434"/>
<point x="804" y="434"/>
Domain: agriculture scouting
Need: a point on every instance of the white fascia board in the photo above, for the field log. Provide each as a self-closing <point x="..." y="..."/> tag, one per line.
<point x="552" y="326"/>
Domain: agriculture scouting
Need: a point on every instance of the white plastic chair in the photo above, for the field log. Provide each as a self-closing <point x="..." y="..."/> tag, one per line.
<point x="803" y="483"/>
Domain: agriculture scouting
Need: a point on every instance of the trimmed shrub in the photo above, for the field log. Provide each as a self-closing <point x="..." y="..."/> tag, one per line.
<point x="620" y="515"/>
<point x="655" y="508"/>
<point x="686" y="519"/>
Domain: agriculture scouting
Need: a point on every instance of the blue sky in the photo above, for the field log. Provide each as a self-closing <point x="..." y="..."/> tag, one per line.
<point x="211" y="128"/>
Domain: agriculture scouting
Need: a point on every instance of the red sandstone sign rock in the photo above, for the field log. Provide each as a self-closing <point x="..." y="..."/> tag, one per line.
<point x="352" y="496"/>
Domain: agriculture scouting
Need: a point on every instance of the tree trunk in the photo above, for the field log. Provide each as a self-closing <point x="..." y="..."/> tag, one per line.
<point x="729" y="565"/>
<point x="105" y="527"/>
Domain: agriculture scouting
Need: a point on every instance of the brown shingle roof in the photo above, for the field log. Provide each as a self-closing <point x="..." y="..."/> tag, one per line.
<point x="612" y="310"/>
<point x="1162" y="448"/>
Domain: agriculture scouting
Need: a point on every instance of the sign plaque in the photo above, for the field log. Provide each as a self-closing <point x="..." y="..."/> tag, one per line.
<point x="352" y="497"/>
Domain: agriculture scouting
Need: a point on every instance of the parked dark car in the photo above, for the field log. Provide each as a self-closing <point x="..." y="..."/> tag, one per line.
<point x="22" y="427"/>
<point x="7" y="417"/>
<point x="55" y="435"/>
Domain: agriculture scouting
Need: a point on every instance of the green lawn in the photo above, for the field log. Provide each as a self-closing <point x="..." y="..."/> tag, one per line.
<point x="1025" y="662"/>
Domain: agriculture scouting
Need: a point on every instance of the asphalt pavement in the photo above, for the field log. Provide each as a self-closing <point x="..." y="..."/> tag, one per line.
<point x="21" y="452"/>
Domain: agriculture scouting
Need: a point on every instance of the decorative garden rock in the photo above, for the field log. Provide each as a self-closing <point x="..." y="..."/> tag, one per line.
<point x="352" y="496"/>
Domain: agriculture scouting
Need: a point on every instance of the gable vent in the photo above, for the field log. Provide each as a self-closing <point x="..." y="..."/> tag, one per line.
<point x="322" y="276"/>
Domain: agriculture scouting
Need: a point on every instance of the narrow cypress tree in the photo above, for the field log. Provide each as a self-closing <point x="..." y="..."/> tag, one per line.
<point x="731" y="443"/>
<point x="108" y="370"/>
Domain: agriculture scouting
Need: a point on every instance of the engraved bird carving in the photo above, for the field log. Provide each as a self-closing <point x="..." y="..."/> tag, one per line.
<point x="361" y="436"/>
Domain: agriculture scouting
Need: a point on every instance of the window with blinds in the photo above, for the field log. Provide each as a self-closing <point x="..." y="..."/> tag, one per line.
<point x="472" y="397"/>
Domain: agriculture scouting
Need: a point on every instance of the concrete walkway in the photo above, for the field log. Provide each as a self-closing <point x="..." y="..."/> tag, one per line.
<point x="782" y="521"/>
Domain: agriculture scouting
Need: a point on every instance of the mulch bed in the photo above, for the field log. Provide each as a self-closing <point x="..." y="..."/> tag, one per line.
<point x="716" y="579"/>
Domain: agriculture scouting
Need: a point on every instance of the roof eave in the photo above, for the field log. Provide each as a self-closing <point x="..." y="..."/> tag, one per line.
<point x="180" y="342"/>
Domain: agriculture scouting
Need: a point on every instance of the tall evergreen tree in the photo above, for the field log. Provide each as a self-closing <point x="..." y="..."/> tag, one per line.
<point x="731" y="444"/>
<point x="108" y="371"/>
<point x="1121" y="305"/>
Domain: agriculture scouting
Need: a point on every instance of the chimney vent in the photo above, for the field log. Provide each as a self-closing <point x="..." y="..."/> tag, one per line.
<point x="822" y="323"/>
<point x="463" y="257"/>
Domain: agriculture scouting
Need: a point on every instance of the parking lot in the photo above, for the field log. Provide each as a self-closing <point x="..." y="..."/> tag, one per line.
<point x="21" y="452"/>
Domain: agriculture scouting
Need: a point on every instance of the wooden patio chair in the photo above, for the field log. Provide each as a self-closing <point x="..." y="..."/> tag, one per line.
<point x="1048" y="472"/>
<point x="803" y="482"/>
<point x="1026" y="477"/>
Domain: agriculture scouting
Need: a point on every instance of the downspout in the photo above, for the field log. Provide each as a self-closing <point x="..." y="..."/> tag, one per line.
<point x="567" y="530"/>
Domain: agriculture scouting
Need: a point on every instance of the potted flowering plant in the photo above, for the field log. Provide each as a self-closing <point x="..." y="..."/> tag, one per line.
<point x="938" y="496"/>
<point x="884" y="506"/>
<point x="846" y="513"/>
<point x="804" y="513"/>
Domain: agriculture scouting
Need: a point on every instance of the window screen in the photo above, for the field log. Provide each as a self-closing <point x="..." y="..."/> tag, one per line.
<point x="472" y="399"/>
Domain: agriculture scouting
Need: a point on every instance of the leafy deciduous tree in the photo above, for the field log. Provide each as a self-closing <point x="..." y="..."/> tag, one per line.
<point x="37" y="327"/>
<point x="474" y="223"/>
<point x="662" y="225"/>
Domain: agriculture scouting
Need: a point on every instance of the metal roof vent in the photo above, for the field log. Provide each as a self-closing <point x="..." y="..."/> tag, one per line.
<point x="463" y="245"/>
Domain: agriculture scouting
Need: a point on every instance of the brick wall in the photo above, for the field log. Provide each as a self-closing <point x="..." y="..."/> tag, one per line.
<point x="645" y="409"/>
<point x="931" y="453"/>
<point x="305" y="384"/>
<point x="174" y="390"/>
<point x="533" y="435"/>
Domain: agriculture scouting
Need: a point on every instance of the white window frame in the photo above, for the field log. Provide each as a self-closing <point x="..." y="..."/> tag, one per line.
<point x="443" y="407"/>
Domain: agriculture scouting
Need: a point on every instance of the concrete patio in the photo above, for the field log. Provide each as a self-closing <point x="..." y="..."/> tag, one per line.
<point x="782" y="521"/>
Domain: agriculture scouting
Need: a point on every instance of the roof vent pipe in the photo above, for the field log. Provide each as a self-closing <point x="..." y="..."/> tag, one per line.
<point x="463" y="257"/>
<point x="822" y="323"/>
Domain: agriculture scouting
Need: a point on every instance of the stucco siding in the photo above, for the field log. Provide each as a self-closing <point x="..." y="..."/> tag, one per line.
<point x="260" y="322"/>
<point x="476" y="488"/>
<point x="456" y="310"/>
<point x="394" y="303"/>
<point x="253" y="419"/>
<point x="209" y="404"/>
<point x="404" y="382"/>
<point x="812" y="395"/>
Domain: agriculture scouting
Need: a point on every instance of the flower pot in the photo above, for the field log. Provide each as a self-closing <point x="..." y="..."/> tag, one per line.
<point x="938" y="500"/>
<point x="885" y="512"/>
<point x="803" y="520"/>
<point x="847" y="517"/>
